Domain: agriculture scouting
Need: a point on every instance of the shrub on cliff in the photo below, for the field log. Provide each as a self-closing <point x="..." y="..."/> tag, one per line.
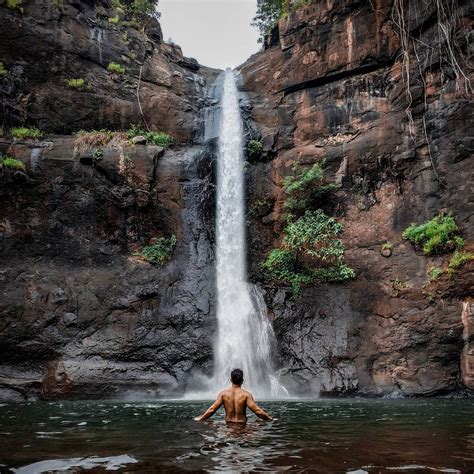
<point x="8" y="161"/>
<point x="116" y="68"/>
<point x="269" y="12"/>
<point x="439" y="235"/>
<point x="25" y="133"/>
<point x="305" y="189"/>
<point x="159" y="252"/>
<point x="311" y="253"/>
<point x="3" y="71"/>
<point x="255" y="150"/>
<point x="153" y="138"/>
<point x="78" y="84"/>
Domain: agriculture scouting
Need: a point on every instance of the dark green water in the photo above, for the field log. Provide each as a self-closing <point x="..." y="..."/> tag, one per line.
<point x="318" y="436"/>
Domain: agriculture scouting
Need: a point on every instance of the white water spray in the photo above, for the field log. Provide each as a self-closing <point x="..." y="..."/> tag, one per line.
<point x="245" y="335"/>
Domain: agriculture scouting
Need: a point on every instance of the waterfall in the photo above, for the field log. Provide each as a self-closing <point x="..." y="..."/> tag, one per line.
<point x="245" y="335"/>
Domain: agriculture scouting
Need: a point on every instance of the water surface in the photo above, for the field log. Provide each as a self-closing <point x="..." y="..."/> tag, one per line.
<point x="321" y="436"/>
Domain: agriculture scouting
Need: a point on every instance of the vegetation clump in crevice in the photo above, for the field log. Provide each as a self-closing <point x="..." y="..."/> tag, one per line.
<point x="152" y="137"/>
<point x="3" y="71"/>
<point x="26" y="133"/>
<point x="436" y="236"/>
<point x="459" y="259"/>
<point x="260" y="208"/>
<point x="255" y="150"/>
<point x="15" y="5"/>
<point x="12" y="163"/>
<point x="305" y="190"/>
<point x="159" y="252"/>
<point x="311" y="251"/>
<point x="78" y="84"/>
<point x="115" y="68"/>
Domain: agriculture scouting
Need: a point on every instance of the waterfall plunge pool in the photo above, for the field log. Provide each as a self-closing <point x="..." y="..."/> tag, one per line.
<point x="343" y="435"/>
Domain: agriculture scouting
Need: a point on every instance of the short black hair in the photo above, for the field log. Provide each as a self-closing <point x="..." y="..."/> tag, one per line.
<point x="237" y="377"/>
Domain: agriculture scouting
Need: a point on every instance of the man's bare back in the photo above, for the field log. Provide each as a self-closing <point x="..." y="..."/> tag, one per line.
<point x="236" y="400"/>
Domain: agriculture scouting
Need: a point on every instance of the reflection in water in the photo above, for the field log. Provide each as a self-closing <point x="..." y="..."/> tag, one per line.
<point x="240" y="446"/>
<point x="370" y="436"/>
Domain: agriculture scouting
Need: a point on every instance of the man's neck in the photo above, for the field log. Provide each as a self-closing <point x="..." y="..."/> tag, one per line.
<point x="236" y="386"/>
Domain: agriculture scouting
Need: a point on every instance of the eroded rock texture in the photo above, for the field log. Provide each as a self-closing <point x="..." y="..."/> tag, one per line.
<point x="331" y="88"/>
<point x="80" y="314"/>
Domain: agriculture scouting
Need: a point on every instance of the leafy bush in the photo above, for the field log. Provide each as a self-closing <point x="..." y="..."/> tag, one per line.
<point x="79" y="84"/>
<point x="439" y="235"/>
<point x="15" y="4"/>
<point x="3" y="71"/>
<point x="24" y="133"/>
<point x="311" y="250"/>
<point x="312" y="253"/>
<point x="269" y="12"/>
<point x="387" y="246"/>
<point x="116" y="68"/>
<point x="305" y="189"/>
<point x="434" y="273"/>
<point x="114" y="20"/>
<point x="160" y="251"/>
<point x="460" y="258"/>
<point x="260" y="208"/>
<point x="12" y="163"/>
<point x="315" y="234"/>
<point x="154" y="138"/>
<point x="255" y="150"/>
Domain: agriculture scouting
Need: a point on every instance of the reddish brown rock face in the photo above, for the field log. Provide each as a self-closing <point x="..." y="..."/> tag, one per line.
<point x="331" y="91"/>
<point x="81" y="315"/>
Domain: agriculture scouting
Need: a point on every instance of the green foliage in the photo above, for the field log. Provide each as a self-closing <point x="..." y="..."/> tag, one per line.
<point x="439" y="235"/>
<point x="12" y="163"/>
<point x="267" y="16"/>
<point x="305" y="189"/>
<point x="260" y="208"/>
<point x="141" y="7"/>
<point x="114" y="20"/>
<point x="281" y="266"/>
<point x="154" y="138"/>
<point x="24" y="133"/>
<point x="311" y="251"/>
<point x="460" y="258"/>
<point x="315" y="234"/>
<point x="15" y="4"/>
<point x="78" y="84"/>
<point x="159" y="252"/>
<point x="3" y="71"/>
<point x="116" y="68"/>
<point x="269" y="12"/>
<point x="434" y="273"/>
<point x="255" y="150"/>
<point x="98" y="154"/>
<point x="387" y="246"/>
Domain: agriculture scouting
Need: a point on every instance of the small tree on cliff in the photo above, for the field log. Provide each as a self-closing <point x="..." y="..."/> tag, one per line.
<point x="144" y="7"/>
<point x="267" y="16"/>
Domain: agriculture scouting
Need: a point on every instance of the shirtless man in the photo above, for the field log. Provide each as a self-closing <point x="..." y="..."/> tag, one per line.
<point x="236" y="400"/>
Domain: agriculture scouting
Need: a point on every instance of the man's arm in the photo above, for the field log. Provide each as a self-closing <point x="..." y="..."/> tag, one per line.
<point x="256" y="409"/>
<point x="212" y="409"/>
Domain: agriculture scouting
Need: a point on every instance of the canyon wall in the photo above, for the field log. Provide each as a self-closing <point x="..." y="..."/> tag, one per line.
<point x="331" y="89"/>
<point x="81" y="315"/>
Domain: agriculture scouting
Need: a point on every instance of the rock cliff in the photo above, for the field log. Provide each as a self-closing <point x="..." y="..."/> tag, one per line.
<point x="81" y="315"/>
<point x="392" y="126"/>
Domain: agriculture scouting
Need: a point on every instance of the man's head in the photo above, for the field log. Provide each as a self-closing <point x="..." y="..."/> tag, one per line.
<point x="237" y="377"/>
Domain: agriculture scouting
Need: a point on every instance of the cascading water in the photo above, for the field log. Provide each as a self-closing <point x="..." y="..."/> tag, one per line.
<point x="245" y="336"/>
